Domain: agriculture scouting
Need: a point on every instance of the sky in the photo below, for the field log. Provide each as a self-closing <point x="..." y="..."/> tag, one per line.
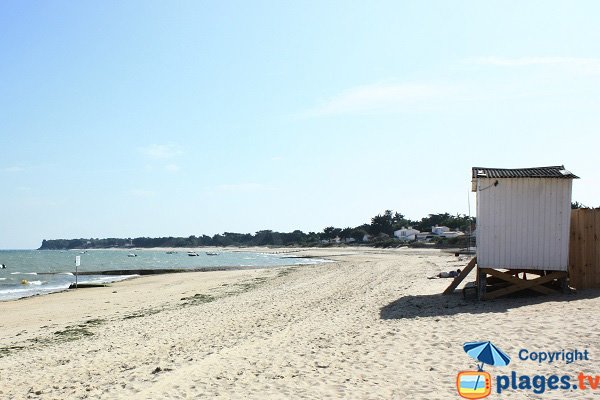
<point x="154" y="118"/>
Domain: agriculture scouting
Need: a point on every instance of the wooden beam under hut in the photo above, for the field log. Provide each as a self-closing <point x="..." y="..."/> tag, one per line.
<point x="502" y="283"/>
<point x="463" y="274"/>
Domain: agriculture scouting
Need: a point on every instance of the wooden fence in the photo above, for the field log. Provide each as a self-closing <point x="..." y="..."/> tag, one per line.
<point x="584" y="249"/>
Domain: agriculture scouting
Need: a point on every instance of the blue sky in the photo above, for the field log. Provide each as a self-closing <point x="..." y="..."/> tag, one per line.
<point x="126" y="119"/>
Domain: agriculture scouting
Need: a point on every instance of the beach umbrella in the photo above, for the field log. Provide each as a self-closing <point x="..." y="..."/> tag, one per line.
<point x="486" y="353"/>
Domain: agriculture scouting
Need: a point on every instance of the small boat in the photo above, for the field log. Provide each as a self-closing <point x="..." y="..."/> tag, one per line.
<point x="212" y="253"/>
<point x="131" y="255"/>
<point x="192" y="254"/>
<point x="171" y="252"/>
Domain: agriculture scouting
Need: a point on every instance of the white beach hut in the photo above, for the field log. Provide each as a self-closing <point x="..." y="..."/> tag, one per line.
<point x="523" y="219"/>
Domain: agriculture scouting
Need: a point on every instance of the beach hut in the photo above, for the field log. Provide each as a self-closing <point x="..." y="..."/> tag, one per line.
<point x="523" y="220"/>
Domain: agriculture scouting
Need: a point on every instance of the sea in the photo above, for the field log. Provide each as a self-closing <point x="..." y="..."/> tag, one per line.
<point x="37" y="272"/>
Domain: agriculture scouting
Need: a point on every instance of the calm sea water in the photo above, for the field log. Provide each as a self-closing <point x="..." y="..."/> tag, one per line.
<point x="32" y="272"/>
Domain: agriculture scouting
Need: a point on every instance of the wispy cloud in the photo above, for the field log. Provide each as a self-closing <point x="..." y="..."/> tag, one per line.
<point x="161" y="151"/>
<point x="12" y="169"/>
<point x="142" y="193"/>
<point x="581" y="64"/>
<point x="434" y="95"/>
<point x="172" y="167"/>
<point x="161" y="157"/>
<point x="380" y="97"/>
<point x="241" y="187"/>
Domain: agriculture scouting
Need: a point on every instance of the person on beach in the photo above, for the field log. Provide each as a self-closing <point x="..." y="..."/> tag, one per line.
<point x="446" y="274"/>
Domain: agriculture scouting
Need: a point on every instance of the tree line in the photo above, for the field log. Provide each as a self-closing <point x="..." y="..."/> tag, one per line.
<point x="381" y="226"/>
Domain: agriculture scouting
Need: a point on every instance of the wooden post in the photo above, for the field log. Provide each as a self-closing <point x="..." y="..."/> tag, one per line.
<point x="463" y="274"/>
<point x="77" y="263"/>
<point x="481" y="283"/>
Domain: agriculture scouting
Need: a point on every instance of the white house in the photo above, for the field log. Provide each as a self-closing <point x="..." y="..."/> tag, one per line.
<point x="334" y="240"/>
<point x="452" y="234"/>
<point x="438" y="230"/>
<point x="406" y="233"/>
<point x="423" y="236"/>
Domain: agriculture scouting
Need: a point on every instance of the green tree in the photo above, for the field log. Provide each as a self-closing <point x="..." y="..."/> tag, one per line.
<point x="328" y="233"/>
<point x="382" y="224"/>
<point x="346" y="233"/>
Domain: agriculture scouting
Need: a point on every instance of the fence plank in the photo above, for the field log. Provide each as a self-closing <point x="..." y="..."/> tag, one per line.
<point x="575" y="273"/>
<point x="596" y="246"/>
<point x="572" y="255"/>
<point x="582" y="246"/>
<point x="590" y="250"/>
<point x="584" y="249"/>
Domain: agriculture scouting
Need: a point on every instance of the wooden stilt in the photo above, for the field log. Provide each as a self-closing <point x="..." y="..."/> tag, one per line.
<point x="481" y="283"/>
<point x="517" y="281"/>
<point x="520" y="284"/>
<point x="463" y="274"/>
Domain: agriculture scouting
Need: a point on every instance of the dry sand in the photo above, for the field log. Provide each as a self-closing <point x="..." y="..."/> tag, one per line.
<point x="368" y="326"/>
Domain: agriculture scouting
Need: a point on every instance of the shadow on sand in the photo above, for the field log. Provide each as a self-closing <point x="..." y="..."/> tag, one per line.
<point x="434" y="305"/>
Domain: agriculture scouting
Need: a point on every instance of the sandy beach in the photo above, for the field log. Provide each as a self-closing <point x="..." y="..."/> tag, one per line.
<point x="369" y="325"/>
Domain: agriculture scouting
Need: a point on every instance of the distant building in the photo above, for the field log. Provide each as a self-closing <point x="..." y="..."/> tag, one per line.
<point x="438" y="230"/>
<point x="423" y="236"/>
<point x="334" y="240"/>
<point x="452" y="234"/>
<point x="406" y="233"/>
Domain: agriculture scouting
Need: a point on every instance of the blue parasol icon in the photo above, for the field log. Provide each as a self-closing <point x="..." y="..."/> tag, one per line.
<point x="486" y="353"/>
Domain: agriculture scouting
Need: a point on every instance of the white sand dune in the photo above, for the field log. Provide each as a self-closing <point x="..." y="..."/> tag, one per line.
<point x="369" y="326"/>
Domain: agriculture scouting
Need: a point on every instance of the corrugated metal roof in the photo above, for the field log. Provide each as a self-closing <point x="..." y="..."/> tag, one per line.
<point x="536" y="172"/>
